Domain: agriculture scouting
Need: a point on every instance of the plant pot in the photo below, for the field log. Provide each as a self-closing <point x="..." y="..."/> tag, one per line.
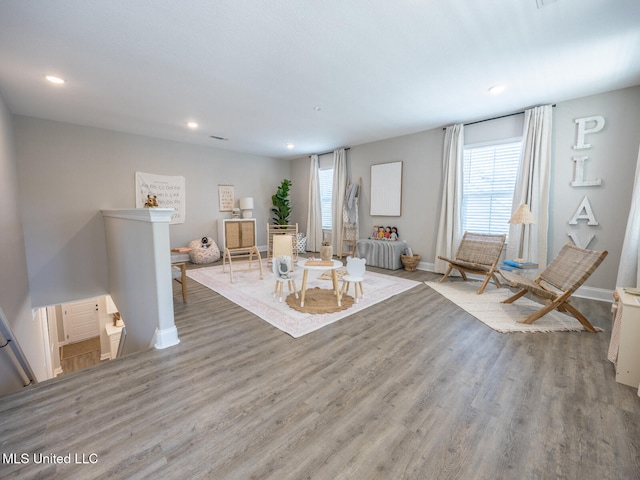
<point x="326" y="252"/>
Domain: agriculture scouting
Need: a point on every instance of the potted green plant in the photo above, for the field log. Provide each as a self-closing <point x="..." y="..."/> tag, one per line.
<point x="281" y="208"/>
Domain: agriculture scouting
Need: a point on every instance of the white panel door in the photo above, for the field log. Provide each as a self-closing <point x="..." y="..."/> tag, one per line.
<point x="80" y="320"/>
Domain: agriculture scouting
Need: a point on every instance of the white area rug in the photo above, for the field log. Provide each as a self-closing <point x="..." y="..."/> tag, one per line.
<point x="256" y="295"/>
<point x="502" y="317"/>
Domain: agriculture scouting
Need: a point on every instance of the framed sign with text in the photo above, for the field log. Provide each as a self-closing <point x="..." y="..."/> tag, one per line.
<point x="225" y="197"/>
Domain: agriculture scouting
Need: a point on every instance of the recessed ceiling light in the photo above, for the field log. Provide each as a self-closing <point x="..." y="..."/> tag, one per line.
<point x="317" y="109"/>
<point x="54" y="79"/>
<point x="496" y="89"/>
<point x="192" y="125"/>
<point x="290" y="146"/>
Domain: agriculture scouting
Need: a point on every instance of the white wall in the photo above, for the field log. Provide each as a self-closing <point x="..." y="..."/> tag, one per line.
<point x="613" y="158"/>
<point x="68" y="174"/>
<point x="14" y="285"/>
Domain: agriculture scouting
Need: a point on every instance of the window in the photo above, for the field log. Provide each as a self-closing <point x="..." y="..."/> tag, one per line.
<point x="489" y="179"/>
<point x="326" y="196"/>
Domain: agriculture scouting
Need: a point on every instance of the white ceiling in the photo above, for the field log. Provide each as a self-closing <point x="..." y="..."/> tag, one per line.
<point x="252" y="71"/>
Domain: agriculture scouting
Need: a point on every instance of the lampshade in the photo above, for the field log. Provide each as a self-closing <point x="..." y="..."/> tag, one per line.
<point x="522" y="215"/>
<point x="246" y="203"/>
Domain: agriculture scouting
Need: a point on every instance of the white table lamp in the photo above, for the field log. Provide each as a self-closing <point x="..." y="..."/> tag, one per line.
<point x="246" y="205"/>
<point x="522" y="216"/>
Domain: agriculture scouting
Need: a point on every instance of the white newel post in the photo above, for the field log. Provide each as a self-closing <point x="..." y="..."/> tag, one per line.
<point x="139" y="258"/>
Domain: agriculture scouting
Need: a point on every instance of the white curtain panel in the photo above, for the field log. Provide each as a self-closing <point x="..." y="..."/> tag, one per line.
<point x="629" y="269"/>
<point x="449" y="227"/>
<point x="314" y="212"/>
<point x="532" y="187"/>
<point x="339" y="191"/>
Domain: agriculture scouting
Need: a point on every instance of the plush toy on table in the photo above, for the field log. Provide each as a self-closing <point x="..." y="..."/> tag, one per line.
<point x="394" y="234"/>
<point x="387" y="233"/>
<point x="374" y="235"/>
<point x="380" y="233"/>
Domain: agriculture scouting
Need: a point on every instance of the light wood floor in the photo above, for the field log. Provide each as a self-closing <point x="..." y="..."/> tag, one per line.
<point x="411" y="389"/>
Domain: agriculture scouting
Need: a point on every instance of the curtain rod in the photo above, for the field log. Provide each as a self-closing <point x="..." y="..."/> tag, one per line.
<point x="494" y="118"/>
<point x="331" y="151"/>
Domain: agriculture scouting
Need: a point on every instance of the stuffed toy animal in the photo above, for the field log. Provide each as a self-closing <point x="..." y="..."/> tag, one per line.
<point x="284" y="269"/>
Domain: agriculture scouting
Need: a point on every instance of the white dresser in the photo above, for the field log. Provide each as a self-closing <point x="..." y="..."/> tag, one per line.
<point x="237" y="233"/>
<point x="628" y="339"/>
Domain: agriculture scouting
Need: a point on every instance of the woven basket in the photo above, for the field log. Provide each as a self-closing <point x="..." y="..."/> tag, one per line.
<point x="410" y="262"/>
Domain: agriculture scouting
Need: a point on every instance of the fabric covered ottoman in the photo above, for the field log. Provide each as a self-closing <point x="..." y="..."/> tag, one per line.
<point x="203" y="251"/>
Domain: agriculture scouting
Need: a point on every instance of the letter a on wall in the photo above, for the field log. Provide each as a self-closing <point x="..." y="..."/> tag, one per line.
<point x="584" y="212"/>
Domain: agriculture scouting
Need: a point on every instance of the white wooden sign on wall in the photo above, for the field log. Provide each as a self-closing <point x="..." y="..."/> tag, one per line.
<point x="386" y="189"/>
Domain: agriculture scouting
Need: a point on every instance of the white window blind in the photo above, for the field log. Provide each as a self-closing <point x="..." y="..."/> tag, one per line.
<point x="326" y="196"/>
<point x="489" y="178"/>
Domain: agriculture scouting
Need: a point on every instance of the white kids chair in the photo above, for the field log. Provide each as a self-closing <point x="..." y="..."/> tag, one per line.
<point x="284" y="274"/>
<point x="355" y="275"/>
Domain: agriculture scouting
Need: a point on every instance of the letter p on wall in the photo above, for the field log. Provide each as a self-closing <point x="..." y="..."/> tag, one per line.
<point x="587" y="125"/>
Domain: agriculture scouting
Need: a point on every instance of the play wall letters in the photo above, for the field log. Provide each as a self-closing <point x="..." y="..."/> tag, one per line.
<point x="586" y="126"/>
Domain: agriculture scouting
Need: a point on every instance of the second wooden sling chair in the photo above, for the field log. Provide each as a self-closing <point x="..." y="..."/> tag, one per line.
<point x="555" y="285"/>
<point x="478" y="253"/>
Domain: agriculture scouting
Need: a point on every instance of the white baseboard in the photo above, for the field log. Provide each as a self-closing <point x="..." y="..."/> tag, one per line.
<point x="166" y="338"/>
<point x="593" y="293"/>
<point x="426" y="266"/>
